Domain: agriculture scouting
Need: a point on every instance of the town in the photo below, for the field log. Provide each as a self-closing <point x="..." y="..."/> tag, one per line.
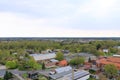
<point x="67" y="59"/>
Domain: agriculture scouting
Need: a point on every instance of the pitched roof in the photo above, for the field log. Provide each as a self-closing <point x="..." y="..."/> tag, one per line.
<point x="110" y="60"/>
<point x="63" y="62"/>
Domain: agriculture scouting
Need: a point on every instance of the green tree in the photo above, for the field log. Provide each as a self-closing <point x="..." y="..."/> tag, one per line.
<point x="42" y="78"/>
<point x="59" y="56"/>
<point x="111" y="70"/>
<point x="98" y="46"/>
<point x="11" y="64"/>
<point x="31" y="63"/>
<point x="89" y="60"/>
<point x="77" y="61"/>
<point x="43" y="66"/>
<point x="8" y="75"/>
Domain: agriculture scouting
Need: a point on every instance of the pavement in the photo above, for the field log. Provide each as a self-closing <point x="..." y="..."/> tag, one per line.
<point x="18" y="73"/>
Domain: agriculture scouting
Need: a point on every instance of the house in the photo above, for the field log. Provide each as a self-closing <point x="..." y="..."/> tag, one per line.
<point x="87" y="65"/>
<point x="118" y="47"/>
<point x="41" y="57"/>
<point x="2" y="67"/>
<point x="105" y="50"/>
<point x="63" y="63"/>
<point x="2" y="73"/>
<point x="30" y="51"/>
<point x="108" y="60"/>
<point x="115" y="55"/>
<point x="51" y="63"/>
<point x="87" y="56"/>
<point x="65" y="51"/>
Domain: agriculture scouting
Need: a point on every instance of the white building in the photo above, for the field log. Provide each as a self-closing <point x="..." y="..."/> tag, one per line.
<point x="40" y="57"/>
<point x="70" y="74"/>
<point x="105" y="50"/>
<point x="79" y="75"/>
<point x="63" y="69"/>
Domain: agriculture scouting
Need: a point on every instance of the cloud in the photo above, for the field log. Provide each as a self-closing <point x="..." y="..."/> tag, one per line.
<point x="13" y="25"/>
<point x="59" y="18"/>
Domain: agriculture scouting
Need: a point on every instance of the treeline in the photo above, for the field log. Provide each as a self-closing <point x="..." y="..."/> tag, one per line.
<point x="7" y="48"/>
<point x="38" y="46"/>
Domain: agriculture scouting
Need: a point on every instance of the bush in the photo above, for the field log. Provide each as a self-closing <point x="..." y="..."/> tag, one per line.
<point x="8" y="75"/>
<point x="11" y="64"/>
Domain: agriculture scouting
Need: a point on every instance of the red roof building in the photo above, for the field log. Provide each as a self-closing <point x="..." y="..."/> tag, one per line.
<point x="63" y="63"/>
<point x="109" y="60"/>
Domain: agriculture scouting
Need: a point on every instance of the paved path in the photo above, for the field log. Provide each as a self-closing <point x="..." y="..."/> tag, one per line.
<point x="17" y="73"/>
<point x="18" y="76"/>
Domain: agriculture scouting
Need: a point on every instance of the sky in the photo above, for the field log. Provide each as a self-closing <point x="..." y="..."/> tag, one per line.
<point x="59" y="18"/>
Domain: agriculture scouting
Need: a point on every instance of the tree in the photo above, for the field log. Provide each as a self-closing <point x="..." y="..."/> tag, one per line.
<point x="89" y="60"/>
<point x="77" y="61"/>
<point x="29" y="64"/>
<point x="32" y="64"/>
<point x="8" y="75"/>
<point x="11" y="64"/>
<point x="43" y="66"/>
<point x="59" y="56"/>
<point x="42" y="78"/>
<point x="102" y="77"/>
<point x="111" y="70"/>
<point x="98" y="46"/>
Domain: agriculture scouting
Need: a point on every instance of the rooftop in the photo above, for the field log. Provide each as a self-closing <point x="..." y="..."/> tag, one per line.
<point x="78" y="74"/>
<point x="39" y="57"/>
<point x="63" y="69"/>
<point x="110" y="60"/>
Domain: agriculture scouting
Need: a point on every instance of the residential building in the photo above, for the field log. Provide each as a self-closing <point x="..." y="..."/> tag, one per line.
<point x="109" y="60"/>
<point x="63" y="63"/>
<point x="105" y="50"/>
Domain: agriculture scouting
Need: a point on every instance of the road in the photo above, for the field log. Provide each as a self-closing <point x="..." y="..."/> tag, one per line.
<point x="18" y="73"/>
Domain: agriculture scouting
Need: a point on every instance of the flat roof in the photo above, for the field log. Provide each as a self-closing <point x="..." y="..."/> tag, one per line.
<point x="38" y="57"/>
<point x="78" y="74"/>
<point x="60" y="75"/>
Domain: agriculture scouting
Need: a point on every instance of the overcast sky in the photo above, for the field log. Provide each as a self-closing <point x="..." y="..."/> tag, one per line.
<point x="59" y="18"/>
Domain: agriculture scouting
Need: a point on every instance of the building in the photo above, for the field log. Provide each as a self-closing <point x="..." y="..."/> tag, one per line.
<point x="87" y="56"/>
<point x="79" y="75"/>
<point x="108" y="60"/>
<point x="51" y="63"/>
<point x="63" y="63"/>
<point x="41" y="57"/>
<point x="2" y="73"/>
<point x="82" y="54"/>
<point x="67" y="75"/>
<point x="105" y="50"/>
<point x="65" y="51"/>
<point x="60" y="75"/>
<point x="63" y="69"/>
